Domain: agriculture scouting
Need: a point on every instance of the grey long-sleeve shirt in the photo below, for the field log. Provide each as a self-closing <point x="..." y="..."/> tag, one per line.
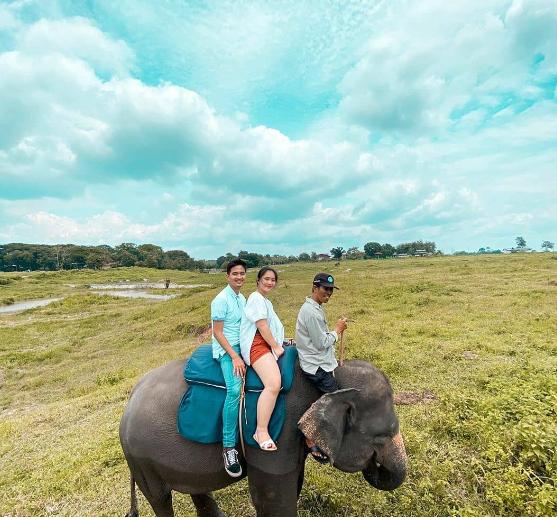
<point x="314" y="341"/>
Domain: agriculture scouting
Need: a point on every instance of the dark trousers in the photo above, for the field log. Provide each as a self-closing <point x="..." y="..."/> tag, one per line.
<point x="322" y="380"/>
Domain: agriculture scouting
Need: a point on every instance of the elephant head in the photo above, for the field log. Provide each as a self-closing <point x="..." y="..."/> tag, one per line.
<point x="357" y="427"/>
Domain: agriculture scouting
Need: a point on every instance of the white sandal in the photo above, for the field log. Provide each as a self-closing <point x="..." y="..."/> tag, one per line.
<point x="267" y="445"/>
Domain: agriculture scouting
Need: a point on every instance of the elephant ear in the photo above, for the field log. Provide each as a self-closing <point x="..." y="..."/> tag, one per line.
<point x="325" y="421"/>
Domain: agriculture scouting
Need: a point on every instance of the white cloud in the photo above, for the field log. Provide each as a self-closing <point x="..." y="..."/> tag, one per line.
<point x="77" y="38"/>
<point x="433" y="58"/>
<point x="425" y="141"/>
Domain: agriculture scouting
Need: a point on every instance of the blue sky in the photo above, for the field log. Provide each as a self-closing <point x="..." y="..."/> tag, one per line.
<point x="278" y="126"/>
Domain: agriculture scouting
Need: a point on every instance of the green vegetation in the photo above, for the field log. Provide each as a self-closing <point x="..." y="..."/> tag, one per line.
<point x="478" y="332"/>
<point x="23" y="257"/>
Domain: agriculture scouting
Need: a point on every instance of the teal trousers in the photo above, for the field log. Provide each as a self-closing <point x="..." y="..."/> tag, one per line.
<point x="231" y="407"/>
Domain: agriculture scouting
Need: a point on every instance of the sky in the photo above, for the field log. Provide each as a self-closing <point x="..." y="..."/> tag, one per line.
<point x="278" y="126"/>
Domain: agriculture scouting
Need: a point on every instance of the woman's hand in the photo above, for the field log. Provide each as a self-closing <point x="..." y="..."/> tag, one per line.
<point x="278" y="351"/>
<point x="239" y="366"/>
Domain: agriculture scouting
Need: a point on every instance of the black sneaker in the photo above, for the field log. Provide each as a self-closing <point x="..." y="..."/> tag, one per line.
<point x="231" y="462"/>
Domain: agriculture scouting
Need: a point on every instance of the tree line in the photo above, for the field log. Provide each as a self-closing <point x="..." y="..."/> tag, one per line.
<point x="16" y="257"/>
<point x="370" y="250"/>
<point x="22" y="257"/>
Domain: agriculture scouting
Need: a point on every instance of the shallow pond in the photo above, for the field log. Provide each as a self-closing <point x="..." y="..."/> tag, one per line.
<point x="29" y="304"/>
<point x="139" y="294"/>
<point x="146" y="285"/>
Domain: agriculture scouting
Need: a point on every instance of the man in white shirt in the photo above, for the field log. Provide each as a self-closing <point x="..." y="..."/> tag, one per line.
<point x="316" y="344"/>
<point x="314" y="341"/>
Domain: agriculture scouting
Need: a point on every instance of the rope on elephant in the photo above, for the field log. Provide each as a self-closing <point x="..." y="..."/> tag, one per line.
<point x="240" y="412"/>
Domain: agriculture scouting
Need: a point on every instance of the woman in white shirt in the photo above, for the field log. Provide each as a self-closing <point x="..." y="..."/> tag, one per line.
<point x="261" y="337"/>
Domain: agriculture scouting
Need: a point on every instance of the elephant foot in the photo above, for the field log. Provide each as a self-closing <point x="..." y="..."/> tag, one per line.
<point x="206" y="506"/>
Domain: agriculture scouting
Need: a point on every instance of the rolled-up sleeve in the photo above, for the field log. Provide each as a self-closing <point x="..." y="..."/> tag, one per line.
<point x="218" y="309"/>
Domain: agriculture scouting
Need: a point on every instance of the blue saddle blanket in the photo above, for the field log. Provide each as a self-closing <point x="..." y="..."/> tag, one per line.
<point x="200" y="411"/>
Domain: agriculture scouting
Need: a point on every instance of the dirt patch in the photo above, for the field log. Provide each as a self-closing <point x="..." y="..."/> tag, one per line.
<point x="409" y="398"/>
<point x="469" y="355"/>
<point x="552" y="282"/>
<point x="205" y="336"/>
<point x="202" y="332"/>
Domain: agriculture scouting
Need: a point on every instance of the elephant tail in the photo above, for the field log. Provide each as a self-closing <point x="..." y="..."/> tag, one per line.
<point x="133" y="503"/>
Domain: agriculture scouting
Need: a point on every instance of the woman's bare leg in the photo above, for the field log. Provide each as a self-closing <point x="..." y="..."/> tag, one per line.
<point x="267" y="369"/>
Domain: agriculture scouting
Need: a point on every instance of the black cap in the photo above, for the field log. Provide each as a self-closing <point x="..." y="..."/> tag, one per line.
<point x="325" y="280"/>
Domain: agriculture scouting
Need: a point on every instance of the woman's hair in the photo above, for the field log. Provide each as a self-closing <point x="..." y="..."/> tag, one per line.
<point x="263" y="270"/>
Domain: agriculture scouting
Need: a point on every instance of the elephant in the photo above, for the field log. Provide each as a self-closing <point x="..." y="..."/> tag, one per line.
<point x="355" y="426"/>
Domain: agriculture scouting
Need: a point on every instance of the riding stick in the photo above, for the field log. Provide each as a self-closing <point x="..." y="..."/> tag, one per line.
<point x="341" y="353"/>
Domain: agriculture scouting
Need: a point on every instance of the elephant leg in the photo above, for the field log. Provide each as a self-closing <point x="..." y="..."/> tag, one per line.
<point x="163" y="506"/>
<point x="273" y="495"/>
<point x="206" y="506"/>
<point x="155" y="490"/>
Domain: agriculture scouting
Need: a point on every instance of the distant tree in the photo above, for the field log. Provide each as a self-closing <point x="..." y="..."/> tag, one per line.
<point x="150" y="255"/>
<point x="371" y="248"/>
<point x="388" y="250"/>
<point x="354" y="253"/>
<point x="304" y="257"/>
<point x="313" y="256"/>
<point x="19" y="259"/>
<point x="61" y="255"/>
<point x="547" y="245"/>
<point x="337" y="252"/>
<point x="251" y="259"/>
<point x="77" y="256"/>
<point x="224" y="260"/>
<point x="520" y="242"/>
<point x="126" y="254"/>
<point x="177" y="259"/>
<point x="97" y="258"/>
<point x="411" y="247"/>
<point x="125" y="258"/>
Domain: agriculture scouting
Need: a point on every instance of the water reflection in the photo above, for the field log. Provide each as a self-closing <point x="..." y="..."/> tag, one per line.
<point x="139" y="294"/>
<point x="29" y="304"/>
<point x="146" y="285"/>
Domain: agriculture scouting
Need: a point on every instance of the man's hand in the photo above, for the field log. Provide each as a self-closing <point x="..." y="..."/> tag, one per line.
<point x="239" y="366"/>
<point x="341" y="325"/>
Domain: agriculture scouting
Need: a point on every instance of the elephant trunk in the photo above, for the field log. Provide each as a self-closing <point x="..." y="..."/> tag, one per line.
<point x="387" y="468"/>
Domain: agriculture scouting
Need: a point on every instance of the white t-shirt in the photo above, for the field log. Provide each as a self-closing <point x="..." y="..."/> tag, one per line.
<point x="258" y="308"/>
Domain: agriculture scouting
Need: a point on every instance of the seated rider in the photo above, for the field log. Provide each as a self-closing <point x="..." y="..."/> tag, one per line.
<point x="261" y="337"/>
<point x="226" y="314"/>
<point x="316" y="344"/>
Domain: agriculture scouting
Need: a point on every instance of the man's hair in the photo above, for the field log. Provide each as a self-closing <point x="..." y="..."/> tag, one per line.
<point x="234" y="263"/>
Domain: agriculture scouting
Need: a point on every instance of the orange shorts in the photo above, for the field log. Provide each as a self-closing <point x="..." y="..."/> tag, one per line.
<point x="259" y="348"/>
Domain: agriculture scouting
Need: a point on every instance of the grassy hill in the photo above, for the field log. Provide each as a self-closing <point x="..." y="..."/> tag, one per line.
<point x="477" y="335"/>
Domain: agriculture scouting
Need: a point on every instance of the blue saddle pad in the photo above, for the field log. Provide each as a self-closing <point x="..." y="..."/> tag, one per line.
<point x="200" y="410"/>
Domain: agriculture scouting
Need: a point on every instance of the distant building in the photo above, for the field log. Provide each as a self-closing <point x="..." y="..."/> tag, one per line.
<point x="322" y="256"/>
<point x="517" y="250"/>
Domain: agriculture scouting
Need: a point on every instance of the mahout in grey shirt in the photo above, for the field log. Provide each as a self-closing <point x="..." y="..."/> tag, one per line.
<point x="314" y="341"/>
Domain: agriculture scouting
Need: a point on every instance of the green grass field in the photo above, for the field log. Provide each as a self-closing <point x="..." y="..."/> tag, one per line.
<point x="478" y="332"/>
